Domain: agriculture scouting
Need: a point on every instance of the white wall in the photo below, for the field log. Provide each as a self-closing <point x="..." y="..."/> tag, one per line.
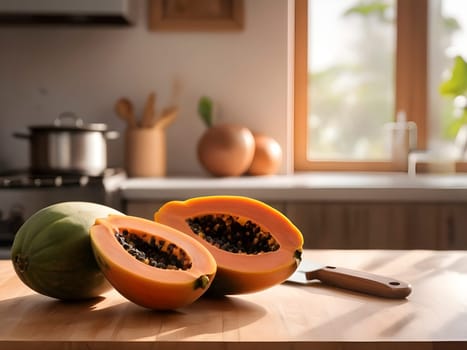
<point x="47" y="70"/>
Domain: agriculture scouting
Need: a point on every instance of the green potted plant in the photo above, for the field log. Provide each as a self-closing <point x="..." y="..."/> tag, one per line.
<point x="455" y="87"/>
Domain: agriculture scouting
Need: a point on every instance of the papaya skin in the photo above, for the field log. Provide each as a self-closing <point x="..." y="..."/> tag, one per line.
<point x="149" y="286"/>
<point x="239" y="273"/>
<point x="52" y="252"/>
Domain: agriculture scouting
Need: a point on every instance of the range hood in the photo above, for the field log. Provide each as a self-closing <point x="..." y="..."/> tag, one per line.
<point x="68" y="12"/>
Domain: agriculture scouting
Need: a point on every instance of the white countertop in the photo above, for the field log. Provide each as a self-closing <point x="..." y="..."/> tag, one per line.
<point x="305" y="187"/>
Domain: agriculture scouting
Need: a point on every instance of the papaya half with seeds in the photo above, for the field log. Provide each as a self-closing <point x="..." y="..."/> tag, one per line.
<point x="150" y="264"/>
<point x="255" y="246"/>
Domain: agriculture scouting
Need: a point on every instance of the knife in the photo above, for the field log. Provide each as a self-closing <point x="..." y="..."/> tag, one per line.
<point x="354" y="280"/>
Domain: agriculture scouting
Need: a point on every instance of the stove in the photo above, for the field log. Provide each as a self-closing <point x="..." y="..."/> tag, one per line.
<point x="23" y="193"/>
<point x="25" y="179"/>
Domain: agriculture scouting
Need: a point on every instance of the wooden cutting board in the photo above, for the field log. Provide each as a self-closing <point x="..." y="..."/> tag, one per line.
<point x="287" y="316"/>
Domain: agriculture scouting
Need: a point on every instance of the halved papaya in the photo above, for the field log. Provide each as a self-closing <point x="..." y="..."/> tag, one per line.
<point x="151" y="264"/>
<point x="255" y="245"/>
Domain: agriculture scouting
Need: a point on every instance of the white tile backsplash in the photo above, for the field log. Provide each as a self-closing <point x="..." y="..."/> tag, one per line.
<point x="48" y="70"/>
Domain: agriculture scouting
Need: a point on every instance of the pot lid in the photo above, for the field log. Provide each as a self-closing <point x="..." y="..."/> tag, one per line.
<point x="69" y="121"/>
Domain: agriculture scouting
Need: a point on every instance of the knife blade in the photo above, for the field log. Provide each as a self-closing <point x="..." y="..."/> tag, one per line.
<point x="355" y="280"/>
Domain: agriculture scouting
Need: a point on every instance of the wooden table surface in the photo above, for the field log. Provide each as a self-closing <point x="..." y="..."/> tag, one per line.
<point x="286" y="316"/>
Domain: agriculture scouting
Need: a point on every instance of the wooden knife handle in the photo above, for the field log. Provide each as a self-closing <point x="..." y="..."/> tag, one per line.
<point x="360" y="281"/>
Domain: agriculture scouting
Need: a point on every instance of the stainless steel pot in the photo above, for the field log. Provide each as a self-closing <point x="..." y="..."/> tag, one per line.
<point x="69" y="147"/>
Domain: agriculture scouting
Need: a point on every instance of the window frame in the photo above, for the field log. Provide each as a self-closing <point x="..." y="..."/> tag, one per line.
<point x="411" y="84"/>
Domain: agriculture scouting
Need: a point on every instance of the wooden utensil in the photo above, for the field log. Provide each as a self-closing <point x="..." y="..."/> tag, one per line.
<point x="167" y="117"/>
<point x="149" y="111"/>
<point x="176" y="90"/>
<point x="354" y="280"/>
<point x="124" y="109"/>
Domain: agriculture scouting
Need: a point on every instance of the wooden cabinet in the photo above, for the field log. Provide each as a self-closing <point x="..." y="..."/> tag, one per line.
<point x="365" y="225"/>
<point x="144" y="209"/>
<point x="381" y="225"/>
<point x="453" y="226"/>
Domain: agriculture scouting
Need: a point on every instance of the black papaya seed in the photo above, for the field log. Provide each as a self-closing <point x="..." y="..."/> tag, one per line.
<point x="151" y="251"/>
<point x="229" y="233"/>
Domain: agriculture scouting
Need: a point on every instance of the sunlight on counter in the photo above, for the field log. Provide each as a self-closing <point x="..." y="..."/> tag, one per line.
<point x="305" y="186"/>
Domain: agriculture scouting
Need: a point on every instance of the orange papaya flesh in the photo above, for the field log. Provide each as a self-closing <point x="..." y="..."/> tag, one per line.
<point x="151" y="264"/>
<point x="255" y="245"/>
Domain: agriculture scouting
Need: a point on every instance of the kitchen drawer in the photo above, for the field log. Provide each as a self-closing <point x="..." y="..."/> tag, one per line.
<point x="144" y="209"/>
<point x="377" y="225"/>
<point x="364" y="225"/>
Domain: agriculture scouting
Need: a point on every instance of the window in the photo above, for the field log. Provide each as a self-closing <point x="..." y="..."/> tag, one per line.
<point x="358" y="65"/>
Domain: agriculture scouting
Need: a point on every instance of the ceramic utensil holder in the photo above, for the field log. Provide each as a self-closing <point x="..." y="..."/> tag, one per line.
<point x="145" y="152"/>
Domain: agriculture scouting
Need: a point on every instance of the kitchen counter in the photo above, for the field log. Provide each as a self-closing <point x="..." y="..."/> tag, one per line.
<point x="305" y="187"/>
<point x="286" y="316"/>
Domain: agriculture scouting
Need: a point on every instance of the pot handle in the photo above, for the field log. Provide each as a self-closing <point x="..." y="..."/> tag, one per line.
<point x="111" y="135"/>
<point x="78" y="122"/>
<point x="21" y="135"/>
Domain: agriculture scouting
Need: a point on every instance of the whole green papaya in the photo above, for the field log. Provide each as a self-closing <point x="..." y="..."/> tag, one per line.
<point x="52" y="252"/>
